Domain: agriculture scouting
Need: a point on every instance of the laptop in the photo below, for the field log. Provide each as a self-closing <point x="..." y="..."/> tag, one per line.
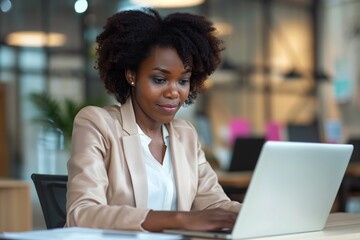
<point x="292" y="190"/>
<point x="245" y="153"/>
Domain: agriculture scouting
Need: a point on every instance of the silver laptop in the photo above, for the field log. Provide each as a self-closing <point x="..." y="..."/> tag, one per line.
<point x="292" y="190"/>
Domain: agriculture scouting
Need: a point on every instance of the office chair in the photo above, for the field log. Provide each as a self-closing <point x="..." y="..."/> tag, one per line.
<point x="245" y="153"/>
<point x="355" y="156"/>
<point x="350" y="185"/>
<point x="51" y="190"/>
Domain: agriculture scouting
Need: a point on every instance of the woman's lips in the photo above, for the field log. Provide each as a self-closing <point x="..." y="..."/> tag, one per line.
<point x="169" y="108"/>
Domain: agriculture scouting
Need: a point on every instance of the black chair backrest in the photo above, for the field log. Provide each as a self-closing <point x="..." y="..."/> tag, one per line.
<point x="355" y="156"/>
<point x="51" y="190"/>
<point x="246" y="152"/>
<point x="303" y="132"/>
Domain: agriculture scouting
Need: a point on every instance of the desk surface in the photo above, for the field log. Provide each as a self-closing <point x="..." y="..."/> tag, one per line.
<point x="242" y="179"/>
<point x="12" y="183"/>
<point x="339" y="226"/>
<point x="234" y="179"/>
<point x="353" y="169"/>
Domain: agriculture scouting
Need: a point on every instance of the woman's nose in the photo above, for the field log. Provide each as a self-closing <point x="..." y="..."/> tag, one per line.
<point x="172" y="91"/>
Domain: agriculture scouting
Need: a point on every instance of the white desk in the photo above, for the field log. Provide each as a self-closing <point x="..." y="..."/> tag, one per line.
<point x="340" y="226"/>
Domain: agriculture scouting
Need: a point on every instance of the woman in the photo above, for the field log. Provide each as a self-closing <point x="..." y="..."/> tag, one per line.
<point x="133" y="166"/>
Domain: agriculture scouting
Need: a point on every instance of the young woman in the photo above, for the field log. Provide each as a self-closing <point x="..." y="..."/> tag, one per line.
<point x="133" y="165"/>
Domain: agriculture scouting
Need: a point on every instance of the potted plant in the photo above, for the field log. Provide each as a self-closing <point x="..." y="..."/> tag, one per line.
<point x="59" y="116"/>
<point x="56" y="121"/>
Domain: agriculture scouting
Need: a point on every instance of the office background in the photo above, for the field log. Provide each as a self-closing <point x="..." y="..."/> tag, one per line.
<point x="288" y="64"/>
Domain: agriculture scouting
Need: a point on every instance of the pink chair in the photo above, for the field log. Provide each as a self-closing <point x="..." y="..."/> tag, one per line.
<point x="239" y="127"/>
<point x="273" y="131"/>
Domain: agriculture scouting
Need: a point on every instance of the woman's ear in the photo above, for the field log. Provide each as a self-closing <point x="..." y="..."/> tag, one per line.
<point x="130" y="77"/>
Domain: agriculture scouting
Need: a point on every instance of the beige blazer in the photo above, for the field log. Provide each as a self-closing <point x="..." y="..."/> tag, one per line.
<point x="107" y="186"/>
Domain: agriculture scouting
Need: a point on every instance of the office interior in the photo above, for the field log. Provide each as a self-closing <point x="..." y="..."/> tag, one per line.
<point x="289" y="72"/>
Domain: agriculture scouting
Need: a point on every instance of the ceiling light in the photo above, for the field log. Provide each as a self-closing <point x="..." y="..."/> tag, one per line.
<point x="5" y="5"/>
<point x="168" y="3"/>
<point x="80" y="6"/>
<point x="35" y="39"/>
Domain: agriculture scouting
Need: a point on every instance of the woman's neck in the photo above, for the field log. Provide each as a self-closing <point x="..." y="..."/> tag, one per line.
<point x="152" y="131"/>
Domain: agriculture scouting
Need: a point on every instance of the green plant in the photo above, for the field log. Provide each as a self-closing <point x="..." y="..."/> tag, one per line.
<point x="57" y="115"/>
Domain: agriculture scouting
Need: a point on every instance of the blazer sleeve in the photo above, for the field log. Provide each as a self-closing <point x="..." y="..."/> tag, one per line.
<point x="87" y="202"/>
<point x="209" y="192"/>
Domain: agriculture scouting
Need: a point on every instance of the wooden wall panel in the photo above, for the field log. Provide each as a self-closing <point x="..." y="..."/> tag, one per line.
<point x="15" y="206"/>
<point x="4" y="166"/>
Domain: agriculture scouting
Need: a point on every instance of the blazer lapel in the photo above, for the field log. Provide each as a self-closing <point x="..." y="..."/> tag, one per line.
<point x="181" y="172"/>
<point x="133" y="155"/>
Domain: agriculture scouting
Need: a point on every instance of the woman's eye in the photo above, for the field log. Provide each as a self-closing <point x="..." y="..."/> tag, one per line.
<point x="184" y="81"/>
<point x="158" y="80"/>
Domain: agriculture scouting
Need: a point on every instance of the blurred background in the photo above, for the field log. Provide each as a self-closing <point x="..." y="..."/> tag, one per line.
<point x="289" y="72"/>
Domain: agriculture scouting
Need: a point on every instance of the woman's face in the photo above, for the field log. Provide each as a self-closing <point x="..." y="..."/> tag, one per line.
<point x="161" y="86"/>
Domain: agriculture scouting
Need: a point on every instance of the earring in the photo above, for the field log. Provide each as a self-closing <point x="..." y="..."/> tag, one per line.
<point x="132" y="83"/>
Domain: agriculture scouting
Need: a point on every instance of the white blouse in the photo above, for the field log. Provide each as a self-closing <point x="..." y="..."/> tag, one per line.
<point x="161" y="184"/>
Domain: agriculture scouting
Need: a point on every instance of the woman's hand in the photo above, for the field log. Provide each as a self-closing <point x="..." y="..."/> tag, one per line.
<point x="194" y="220"/>
<point x="208" y="219"/>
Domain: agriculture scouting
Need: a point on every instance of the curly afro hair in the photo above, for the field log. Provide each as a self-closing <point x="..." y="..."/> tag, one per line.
<point x="129" y="36"/>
